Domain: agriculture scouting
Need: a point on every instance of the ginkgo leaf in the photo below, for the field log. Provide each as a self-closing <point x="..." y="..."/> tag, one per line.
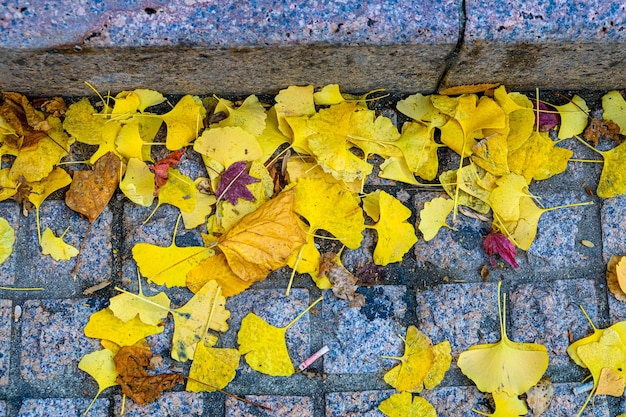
<point x="83" y="123"/>
<point x="417" y="360"/>
<point x="262" y="240"/>
<point x="419" y="107"/>
<point x="574" y="117"/>
<point x="129" y="142"/>
<point x="491" y="154"/>
<point x="505" y="198"/>
<point x="610" y="383"/>
<point x="179" y="191"/>
<point x="7" y="239"/>
<point x="228" y="145"/>
<point x="329" y="144"/>
<point x="8" y="187"/>
<point x="613" y="177"/>
<point x="330" y="207"/>
<point x="373" y="134"/>
<point x="396" y="169"/>
<point x="264" y="346"/>
<point x="107" y="143"/>
<point x="105" y="325"/>
<point x="216" y="268"/>
<point x="183" y="122"/>
<point x="100" y="366"/>
<point x="419" y="148"/>
<point x="404" y="404"/>
<point x="297" y="168"/>
<point x="433" y="216"/>
<point x="441" y="364"/>
<point x="174" y="262"/>
<point x="609" y="351"/>
<point x="395" y="235"/>
<point x="150" y="309"/>
<point x="293" y="101"/>
<point x="272" y="137"/>
<point x="56" y="246"/>
<point x="507" y="405"/>
<point x="452" y="136"/>
<point x="204" y="207"/>
<point x="41" y="190"/>
<point x="212" y="368"/>
<point x="250" y="116"/>
<point x="138" y="183"/>
<point x="329" y="94"/>
<point x="137" y="100"/>
<point x="307" y="261"/>
<point x="205" y="310"/>
<point x="507" y="366"/>
<point x="614" y="109"/>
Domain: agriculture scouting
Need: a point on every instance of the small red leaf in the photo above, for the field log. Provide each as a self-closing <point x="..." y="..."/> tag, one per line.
<point x="233" y="184"/>
<point x="547" y="121"/>
<point x="497" y="243"/>
<point x="160" y="168"/>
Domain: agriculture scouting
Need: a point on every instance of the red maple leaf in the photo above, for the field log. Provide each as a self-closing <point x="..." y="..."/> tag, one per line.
<point x="160" y="168"/>
<point x="497" y="243"/>
<point x="233" y="184"/>
<point x="548" y="118"/>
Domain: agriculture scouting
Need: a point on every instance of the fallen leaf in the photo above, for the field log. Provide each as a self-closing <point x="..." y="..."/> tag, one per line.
<point x="161" y="168"/>
<point x="507" y="366"/>
<point x="105" y="325"/>
<point x="138" y="183"/>
<point x="507" y="405"/>
<point x="414" y="365"/>
<point x="250" y="116"/>
<point x="83" y="123"/>
<point x="212" y="368"/>
<point x="183" y="122"/>
<point x="328" y="95"/>
<point x="610" y="383"/>
<point x="613" y="178"/>
<point x="404" y="404"/>
<point x="343" y="282"/>
<point x="100" y="366"/>
<point x="90" y="191"/>
<point x="614" y="109"/>
<point x="216" y="268"/>
<point x="7" y="239"/>
<point x="228" y="145"/>
<point x="433" y="216"/>
<point x="539" y="396"/>
<point x="468" y="89"/>
<point x="233" y="184"/>
<point x="136" y="383"/>
<point x="56" y="247"/>
<point x="151" y="309"/>
<point x="548" y="119"/>
<point x="293" y="101"/>
<point x="574" y="117"/>
<point x="602" y="128"/>
<point x="498" y="243"/>
<point x="616" y="277"/>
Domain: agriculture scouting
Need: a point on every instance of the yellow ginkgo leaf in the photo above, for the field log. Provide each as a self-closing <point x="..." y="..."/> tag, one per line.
<point x="507" y="366"/>
<point x="330" y="207"/>
<point x="396" y="169"/>
<point x="610" y="383"/>
<point x="212" y="368"/>
<point x="7" y="239"/>
<point x="417" y="360"/>
<point x="41" y="190"/>
<point x="136" y="100"/>
<point x="609" y="351"/>
<point x="183" y="122"/>
<point x="486" y="114"/>
<point x="168" y="265"/>
<point x="452" y="136"/>
<point x="297" y="168"/>
<point x="100" y="366"/>
<point x="206" y="310"/>
<point x="404" y="404"/>
<point x="250" y="116"/>
<point x="56" y="246"/>
<point x="216" y="268"/>
<point x="204" y="207"/>
<point x="105" y="325"/>
<point x="419" y="148"/>
<point x="395" y="235"/>
<point x="613" y="177"/>
<point x="372" y="134"/>
<point x="441" y="364"/>
<point x="107" y="143"/>
<point x="505" y="198"/>
<point x="433" y="216"/>
<point x="614" y="109"/>
<point x="272" y="137"/>
<point x="129" y="142"/>
<point x="470" y="192"/>
<point x="329" y="143"/>
<point x="264" y="346"/>
<point x="574" y="117"/>
<point x="420" y="108"/>
<point x="151" y="310"/>
<point x="138" y="183"/>
<point x="179" y="191"/>
<point x="83" y="123"/>
<point x="228" y="145"/>
<point x="329" y="94"/>
<point x="507" y="405"/>
<point x="293" y="101"/>
<point x="491" y="154"/>
<point x="8" y="187"/>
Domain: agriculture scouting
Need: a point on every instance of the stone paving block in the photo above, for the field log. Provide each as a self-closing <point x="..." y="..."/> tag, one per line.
<point x="6" y="322"/>
<point x="452" y="249"/>
<point x="356" y="403"/>
<point x="56" y="276"/>
<point x="278" y="310"/>
<point x="546" y="312"/>
<point x="617" y="309"/>
<point x="525" y="44"/>
<point x="280" y="406"/>
<point x="3" y="409"/>
<point x="456" y="401"/>
<point x="565" y="403"/>
<point x="170" y="404"/>
<point x="557" y="244"/>
<point x="358" y="337"/>
<point x="11" y="212"/>
<point x="613" y="220"/>
<point x="463" y="314"/>
<point x="63" y="407"/>
<point x="53" y="342"/>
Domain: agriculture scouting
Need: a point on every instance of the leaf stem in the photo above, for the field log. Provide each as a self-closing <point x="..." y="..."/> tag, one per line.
<point x="293" y="271"/>
<point x="145" y="300"/>
<point x="587" y="145"/>
<point x="585" y="203"/>
<point x="303" y="313"/>
<point x="21" y="288"/>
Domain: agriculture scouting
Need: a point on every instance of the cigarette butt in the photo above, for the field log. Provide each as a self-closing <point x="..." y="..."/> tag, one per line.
<point x="313" y="358"/>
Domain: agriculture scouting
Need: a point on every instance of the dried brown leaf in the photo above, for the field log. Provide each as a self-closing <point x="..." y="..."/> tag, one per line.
<point x="602" y="128"/>
<point x="344" y="283"/>
<point x="612" y="280"/>
<point x="539" y="396"/>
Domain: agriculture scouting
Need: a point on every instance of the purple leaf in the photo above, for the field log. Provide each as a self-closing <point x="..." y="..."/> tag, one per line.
<point x="233" y="184"/>
<point x="497" y="243"/>
<point x="547" y="121"/>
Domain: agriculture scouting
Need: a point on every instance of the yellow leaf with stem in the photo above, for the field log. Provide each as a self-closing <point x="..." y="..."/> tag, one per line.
<point x="613" y="177"/>
<point x="395" y="235"/>
<point x="183" y="122"/>
<point x="151" y="310"/>
<point x="56" y="246"/>
<point x="228" y="145"/>
<point x="8" y="187"/>
<point x="100" y="366"/>
<point x="293" y="101"/>
<point x="264" y="346"/>
<point x="204" y="207"/>
<point x="250" y="116"/>
<point x="299" y="168"/>
<point x="41" y="190"/>
<point x="7" y="239"/>
<point x="614" y="109"/>
<point x="136" y="100"/>
<point x="330" y="207"/>
<point x="212" y="368"/>
<point x="414" y="365"/>
<point x="373" y="135"/>
<point x="396" y="169"/>
<point x="505" y="198"/>
<point x="574" y="116"/>
<point x="216" y="268"/>
<point x="179" y="191"/>
<point x="420" y="108"/>
<point x="138" y="183"/>
<point x="506" y="405"/>
<point x="404" y="404"/>
<point x="419" y="148"/>
<point x="168" y="265"/>
<point x="105" y="325"/>
<point x="130" y="144"/>
<point x="433" y="216"/>
<point x="83" y="123"/>
<point x="328" y="95"/>
<point x="507" y="366"/>
<point x="491" y="154"/>
<point x="471" y="192"/>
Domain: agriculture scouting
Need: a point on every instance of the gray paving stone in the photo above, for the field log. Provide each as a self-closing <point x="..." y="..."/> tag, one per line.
<point x="459" y="249"/>
<point x="170" y="404"/>
<point x="463" y="314"/>
<point x="6" y="323"/>
<point x="565" y="403"/>
<point x="356" y="403"/>
<point x="613" y="220"/>
<point x="52" y="341"/>
<point x="280" y="406"/>
<point x="11" y="212"/>
<point x="617" y="309"/>
<point x="545" y="314"/>
<point x="3" y="409"/>
<point x="456" y="401"/>
<point x="517" y="42"/>
<point x="278" y="310"/>
<point x="358" y="337"/>
<point x="56" y="276"/>
<point x="63" y="407"/>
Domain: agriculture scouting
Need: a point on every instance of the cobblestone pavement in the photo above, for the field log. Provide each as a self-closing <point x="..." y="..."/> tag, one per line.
<point x="437" y="287"/>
